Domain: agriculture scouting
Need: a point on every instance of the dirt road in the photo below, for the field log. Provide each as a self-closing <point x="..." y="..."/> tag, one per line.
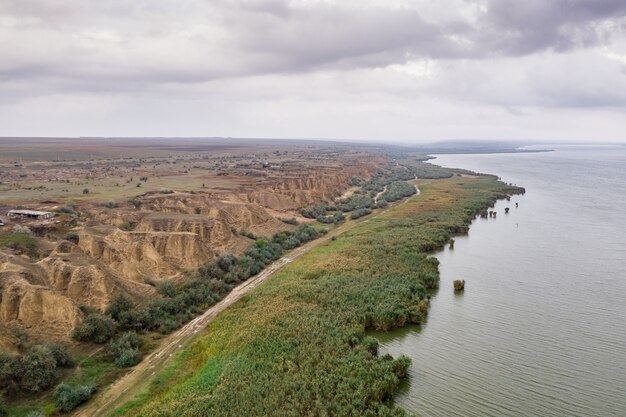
<point x="138" y="379"/>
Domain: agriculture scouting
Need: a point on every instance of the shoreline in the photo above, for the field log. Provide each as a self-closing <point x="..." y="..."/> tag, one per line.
<point x="316" y="269"/>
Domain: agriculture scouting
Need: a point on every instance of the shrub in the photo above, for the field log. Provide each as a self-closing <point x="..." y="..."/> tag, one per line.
<point x="398" y="190"/>
<point x="401" y="366"/>
<point x="85" y="190"/>
<point x="125" y="350"/>
<point x="134" y="201"/>
<point x="68" y="209"/>
<point x="167" y="288"/>
<point x="71" y="236"/>
<point x="121" y="303"/>
<point x="127" y="226"/>
<point x="356" y="214"/>
<point x="38" y="370"/>
<point x="291" y="220"/>
<point x="314" y="211"/>
<point x="248" y="234"/>
<point x="110" y="204"/>
<point x="24" y="230"/>
<point x="96" y="328"/>
<point x="61" y="355"/>
<point x="67" y="398"/>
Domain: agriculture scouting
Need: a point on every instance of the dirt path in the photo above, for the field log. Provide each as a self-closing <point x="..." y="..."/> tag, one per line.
<point x="379" y="194"/>
<point x="138" y="379"/>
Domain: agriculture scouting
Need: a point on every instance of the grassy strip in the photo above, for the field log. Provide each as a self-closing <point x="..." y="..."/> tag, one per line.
<point x="22" y="243"/>
<point x="296" y="346"/>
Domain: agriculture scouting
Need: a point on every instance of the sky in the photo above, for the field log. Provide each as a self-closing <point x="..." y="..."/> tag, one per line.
<point x="382" y="70"/>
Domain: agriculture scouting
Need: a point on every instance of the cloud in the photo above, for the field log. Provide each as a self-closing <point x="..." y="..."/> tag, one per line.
<point x="288" y="59"/>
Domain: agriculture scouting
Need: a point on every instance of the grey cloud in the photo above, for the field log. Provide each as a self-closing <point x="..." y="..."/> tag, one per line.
<point x="135" y="44"/>
<point x="523" y="27"/>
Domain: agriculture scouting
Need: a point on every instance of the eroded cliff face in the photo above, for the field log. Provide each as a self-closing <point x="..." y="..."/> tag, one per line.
<point x="25" y="299"/>
<point x="169" y="233"/>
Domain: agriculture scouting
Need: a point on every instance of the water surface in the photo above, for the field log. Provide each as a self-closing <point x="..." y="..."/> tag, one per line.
<point x="541" y="327"/>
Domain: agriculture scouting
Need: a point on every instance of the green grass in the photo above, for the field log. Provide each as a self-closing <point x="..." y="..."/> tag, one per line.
<point x="296" y="346"/>
<point x="22" y="243"/>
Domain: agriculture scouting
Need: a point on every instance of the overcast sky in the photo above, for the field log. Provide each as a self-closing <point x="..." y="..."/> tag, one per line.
<point x="401" y="70"/>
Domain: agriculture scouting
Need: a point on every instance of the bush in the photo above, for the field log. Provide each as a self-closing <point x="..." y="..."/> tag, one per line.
<point x="291" y="220"/>
<point x="61" y="356"/>
<point x="72" y="237"/>
<point x="85" y="190"/>
<point x="166" y="288"/>
<point x="24" y="230"/>
<point x="96" y="328"/>
<point x="110" y="204"/>
<point x="355" y="202"/>
<point x="335" y="218"/>
<point x="121" y="303"/>
<point x="314" y="211"/>
<point x="67" y="398"/>
<point x="68" y="209"/>
<point x="33" y="372"/>
<point x="248" y="234"/>
<point x="125" y="350"/>
<point x="398" y="190"/>
<point x="356" y="214"/>
<point x="127" y="226"/>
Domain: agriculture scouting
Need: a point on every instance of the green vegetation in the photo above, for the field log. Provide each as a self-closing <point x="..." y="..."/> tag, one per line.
<point x="297" y="346"/>
<point x="398" y="190"/>
<point x="96" y="328"/>
<point x="21" y="243"/>
<point x="125" y="350"/>
<point x="358" y="213"/>
<point x="72" y="237"/>
<point x="34" y="371"/>
<point x="68" y="398"/>
<point x="334" y="219"/>
<point x="313" y="212"/>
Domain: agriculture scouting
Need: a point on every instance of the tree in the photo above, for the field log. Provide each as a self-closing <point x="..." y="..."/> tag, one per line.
<point x="96" y="328"/>
<point x="122" y="302"/>
<point x="67" y="398"/>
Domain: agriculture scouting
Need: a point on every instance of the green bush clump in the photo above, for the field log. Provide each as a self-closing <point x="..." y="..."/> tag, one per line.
<point x="355" y="202"/>
<point x="313" y="212"/>
<point x="35" y="371"/>
<point x="96" y="328"/>
<point x="289" y="220"/>
<point x="67" y="397"/>
<point x="397" y="190"/>
<point x="248" y="234"/>
<point x="356" y="214"/>
<point x="71" y="237"/>
<point x="335" y="218"/>
<point x="125" y="350"/>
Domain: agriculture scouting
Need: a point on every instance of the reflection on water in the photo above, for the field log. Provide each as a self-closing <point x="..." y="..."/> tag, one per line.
<point x="540" y="329"/>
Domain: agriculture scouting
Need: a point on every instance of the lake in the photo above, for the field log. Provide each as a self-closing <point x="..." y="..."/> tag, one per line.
<point x="540" y="329"/>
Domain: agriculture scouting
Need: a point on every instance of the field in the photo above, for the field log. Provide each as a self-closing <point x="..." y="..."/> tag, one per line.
<point x="298" y="343"/>
<point x="102" y="170"/>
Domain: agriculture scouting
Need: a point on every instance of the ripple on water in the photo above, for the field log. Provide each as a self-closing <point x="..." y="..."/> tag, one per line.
<point x="541" y="327"/>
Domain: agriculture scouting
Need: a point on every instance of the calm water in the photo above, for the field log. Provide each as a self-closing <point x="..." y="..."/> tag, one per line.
<point x="541" y="327"/>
